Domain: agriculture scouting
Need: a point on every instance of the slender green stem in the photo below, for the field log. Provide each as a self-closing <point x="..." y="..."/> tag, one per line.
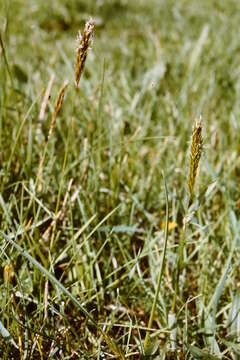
<point x="60" y="186"/>
<point x="172" y="314"/>
<point x="99" y="114"/>
<point x="5" y="59"/>
<point x="161" y="269"/>
<point x="179" y="267"/>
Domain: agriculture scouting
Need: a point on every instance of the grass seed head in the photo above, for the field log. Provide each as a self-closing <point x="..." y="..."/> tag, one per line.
<point x="83" y="43"/>
<point x="195" y="155"/>
<point x="57" y="107"/>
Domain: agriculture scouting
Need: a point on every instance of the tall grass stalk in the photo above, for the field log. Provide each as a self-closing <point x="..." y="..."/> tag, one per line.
<point x="146" y="341"/>
<point x="5" y="58"/>
<point x="195" y="155"/>
<point x="57" y="211"/>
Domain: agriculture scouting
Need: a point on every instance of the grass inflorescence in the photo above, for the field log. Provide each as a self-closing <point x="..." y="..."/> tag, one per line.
<point x="195" y="156"/>
<point x="83" y="44"/>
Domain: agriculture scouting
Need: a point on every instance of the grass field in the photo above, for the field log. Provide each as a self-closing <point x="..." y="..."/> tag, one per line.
<point x="85" y="213"/>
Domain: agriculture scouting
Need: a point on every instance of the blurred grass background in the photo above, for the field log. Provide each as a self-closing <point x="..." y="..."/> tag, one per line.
<point x="153" y="68"/>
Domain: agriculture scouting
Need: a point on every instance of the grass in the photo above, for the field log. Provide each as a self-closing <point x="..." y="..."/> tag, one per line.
<point x="86" y="272"/>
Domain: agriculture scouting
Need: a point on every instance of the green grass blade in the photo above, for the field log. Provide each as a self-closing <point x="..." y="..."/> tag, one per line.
<point x="146" y="341"/>
<point x="6" y="335"/>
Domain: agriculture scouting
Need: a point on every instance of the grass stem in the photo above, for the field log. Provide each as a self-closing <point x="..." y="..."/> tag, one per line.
<point x="146" y="341"/>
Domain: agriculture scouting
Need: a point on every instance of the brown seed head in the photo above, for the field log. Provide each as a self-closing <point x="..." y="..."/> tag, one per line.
<point x="83" y="43"/>
<point x="195" y="155"/>
<point x="57" y="107"/>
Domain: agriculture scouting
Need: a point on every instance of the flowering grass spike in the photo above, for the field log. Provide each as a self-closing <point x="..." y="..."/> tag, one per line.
<point x="195" y="155"/>
<point x="83" y="43"/>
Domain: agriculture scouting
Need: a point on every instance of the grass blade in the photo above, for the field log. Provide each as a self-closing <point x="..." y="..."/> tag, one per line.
<point x="146" y="341"/>
<point x="5" y="334"/>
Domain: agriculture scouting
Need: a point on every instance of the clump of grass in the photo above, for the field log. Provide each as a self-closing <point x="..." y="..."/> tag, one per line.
<point x="110" y="262"/>
<point x="83" y="43"/>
